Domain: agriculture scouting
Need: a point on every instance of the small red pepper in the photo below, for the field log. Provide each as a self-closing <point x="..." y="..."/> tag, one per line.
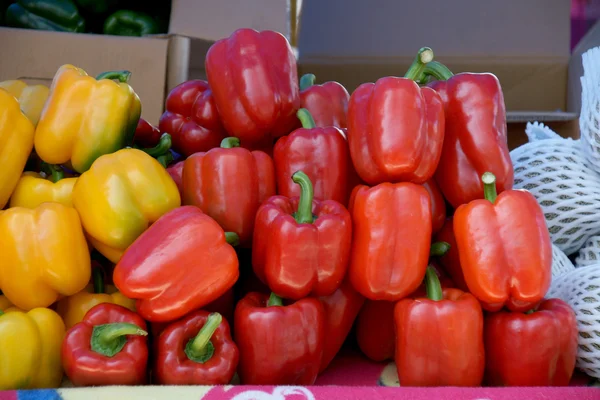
<point x="396" y="128"/>
<point x="439" y="338"/>
<point x="327" y="103"/>
<point x="191" y="118"/>
<point x="176" y="172"/>
<point x="341" y="309"/>
<point x="438" y="206"/>
<point x="301" y="246"/>
<point x="181" y="263"/>
<point x="391" y="239"/>
<point x="475" y="140"/>
<point x="322" y="153"/>
<point x="146" y="134"/>
<point x="229" y="183"/>
<point x="108" y="347"/>
<point x="504" y="247"/>
<point x="196" y="350"/>
<point x="254" y="79"/>
<point x="279" y="344"/>
<point x="451" y="260"/>
<point x="537" y="348"/>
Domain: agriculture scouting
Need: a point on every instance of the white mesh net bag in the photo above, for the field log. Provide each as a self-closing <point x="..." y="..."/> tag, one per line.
<point x="589" y="254"/>
<point x="580" y="288"/>
<point x="560" y="263"/>
<point x="557" y="173"/>
<point x="589" y="118"/>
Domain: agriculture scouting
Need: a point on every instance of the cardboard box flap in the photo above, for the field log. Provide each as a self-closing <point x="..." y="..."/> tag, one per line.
<point x="463" y="28"/>
<point x="589" y="41"/>
<point x="531" y="116"/>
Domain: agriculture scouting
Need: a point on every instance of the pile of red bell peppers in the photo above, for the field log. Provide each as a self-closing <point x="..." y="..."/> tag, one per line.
<point x="308" y="211"/>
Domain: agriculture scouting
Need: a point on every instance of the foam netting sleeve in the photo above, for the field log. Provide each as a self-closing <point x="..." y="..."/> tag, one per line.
<point x="589" y="119"/>
<point x="560" y="263"/>
<point x="589" y="254"/>
<point x="555" y="170"/>
<point x="580" y="288"/>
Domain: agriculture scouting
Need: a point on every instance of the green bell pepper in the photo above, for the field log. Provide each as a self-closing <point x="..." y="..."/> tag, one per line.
<point x="48" y="15"/>
<point x="130" y="23"/>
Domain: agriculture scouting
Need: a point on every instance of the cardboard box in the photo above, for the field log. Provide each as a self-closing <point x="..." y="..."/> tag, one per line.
<point x="35" y="56"/>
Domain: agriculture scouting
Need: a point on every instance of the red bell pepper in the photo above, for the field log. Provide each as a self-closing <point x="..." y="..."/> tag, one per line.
<point x="254" y="79"/>
<point x="451" y="260"/>
<point x="395" y="129"/>
<point x="475" y="140"/>
<point x="537" y="348"/>
<point x="375" y="330"/>
<point x="181" y="263"/>
<point x="176" y="172"/>
<point x="191" y="118"/>
<point x="439" y="338"/>
<point x="301" y="246"/>
<point x="327" y="103"/>
<point x="108" y="347"/>
<point x="279" y="344"/>
<point x="341" y="309"/>
<point x="146" y="134"/>
<point x="196" y="350"/>
<point x="322" y="153"/>
<point x="438" y="206"/>
<point x="391" y="239"/>
<point x="229" y="183"/>
<point x="505" y="248"/>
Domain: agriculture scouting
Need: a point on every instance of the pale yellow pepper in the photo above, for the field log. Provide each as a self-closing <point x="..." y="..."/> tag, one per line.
<point x="32" y="98"/>
<point x="30" y="344"/>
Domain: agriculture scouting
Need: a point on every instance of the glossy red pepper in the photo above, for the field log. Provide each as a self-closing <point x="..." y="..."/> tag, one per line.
<point x="176" y="172"/>
<point x="328" y="102"/>
<point x="451" y="260"/>
<point x="391" y="239"/>
<point x="254" y="79"/>
<point x="505" y="248"/>
<point x="146" y="134"/>
<point x="181" y="263"/>
<point x="191" y="118"/>
<point x="196" y="350"/>
<point x="341" y="309"/>
<point x="396" y="129"/>
<point x="108" y="347"/>
<point x="279" y="344"/>
<point x="439" y="338"/>
<point x="229" y="183"/>
<point x="531" y="349"/>
<point x="321" y="153"/>
<point x="301" y="246"/>
<point x="438" y="206"/>
<point x="475" y="140"/>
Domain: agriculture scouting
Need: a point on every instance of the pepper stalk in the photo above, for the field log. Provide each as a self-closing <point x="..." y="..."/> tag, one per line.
<point x="200" y="349"/>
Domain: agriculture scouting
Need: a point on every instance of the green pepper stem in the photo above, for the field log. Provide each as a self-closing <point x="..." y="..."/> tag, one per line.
<point x="1" y="313"/>
<point x="530" y="311"/>
<point x="439" y="249"/>
<point x="307" y="81"/>
<point x="432" y="284"/>
<point x="274" y="300"/>
<point x="165" y="159"/>
<point x="98" y="277"/>
<point x="232" y="238"/>
<point x="122" y="76"/>
<point x="306" y="118"/>
<point x="200" y="349"/>
<point x="489" y="186"/>
<point x="230" y="142"/>
<point x="57" y="173"/>
<point x="437" y="70"/>
<point x="109" y="339"/>
<point x="423" y="57"/>
<point x="304" y="214"/>
<point x="161" y="148"/>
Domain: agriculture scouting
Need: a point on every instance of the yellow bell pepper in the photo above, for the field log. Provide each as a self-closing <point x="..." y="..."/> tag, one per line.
<point x="72" y="309"/>
<point x="85" y="117"/>
<point x="31" y="97"/>
<point x="44" y="255"/>
<point x="120" y="196"/>
<point x="16" y="143"/>
<point x="33" y="189"/>
<point x="31" y="346"/>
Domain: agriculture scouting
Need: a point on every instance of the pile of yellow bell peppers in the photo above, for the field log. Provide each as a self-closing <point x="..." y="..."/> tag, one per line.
<point x="80" y="131"/>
